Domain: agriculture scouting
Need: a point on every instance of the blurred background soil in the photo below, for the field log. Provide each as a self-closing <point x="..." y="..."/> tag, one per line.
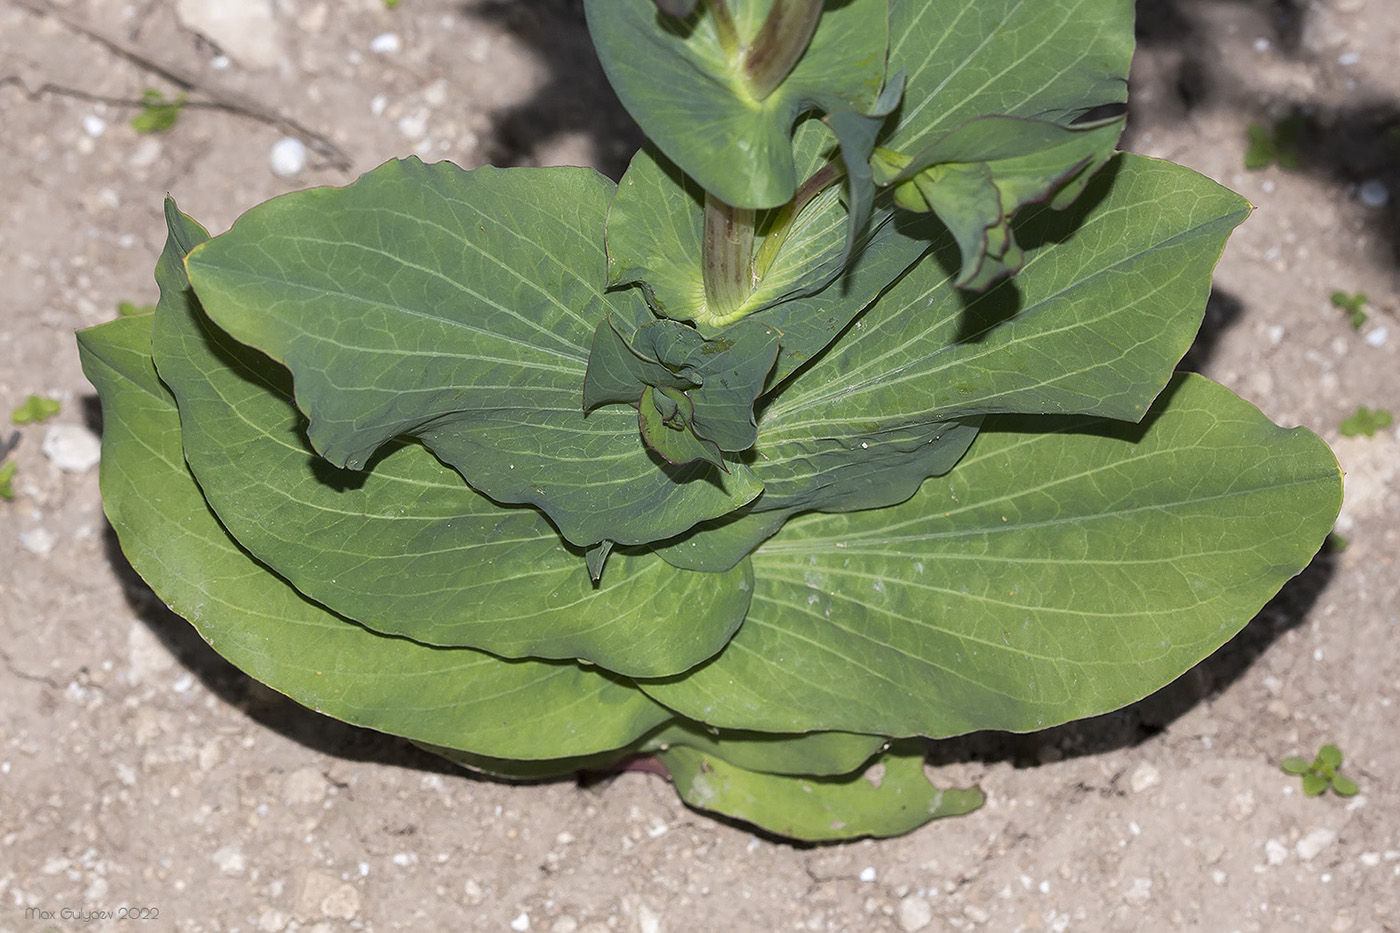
<point x="137" y="769"/>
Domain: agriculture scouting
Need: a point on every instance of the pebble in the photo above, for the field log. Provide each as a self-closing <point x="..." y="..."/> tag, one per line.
<point x="867" y="874"/>
<point x="1378" y="336"/>
<point x="94" y="125"/>
<point x="38" y="541"/>
<point x="231" y="861"/>
<point x="287" y="158"/>
<point x="1373" y="193"/>
<point x="247" y="31"/>
<point x="1275" y="852"/>
<point x="1139" y="892"/>
<point x="1314" y="842"/>
<point x="647" y="920"/>
<point x="1145" y="777"/>
<point x="915" y="913"/>
<point x="521" y="923"/>
<point x="386" y="43"/>
<point x="304" y="787"/>
<point x="72" y="448"/>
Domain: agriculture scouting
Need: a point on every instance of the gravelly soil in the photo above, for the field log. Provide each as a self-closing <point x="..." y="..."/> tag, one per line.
<point x="138" y="770"/>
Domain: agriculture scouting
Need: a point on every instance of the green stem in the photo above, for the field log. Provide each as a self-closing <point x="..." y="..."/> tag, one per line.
<point x="727" y="261"/>
<point x="724" y="25"/>
<point x="780" y="42"/>
<point x="781" y="225"/>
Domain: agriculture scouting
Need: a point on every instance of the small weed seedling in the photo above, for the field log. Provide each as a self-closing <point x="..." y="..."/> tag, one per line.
<point x="1352" y="305"/>
<point x="158" y="112"/>
<point x="7" y="477"/>
<point x="36" y="409"/>
<point x="1276" y="143"/>
<point x="1366" y="421"/>
<point x="1322" y="772"/>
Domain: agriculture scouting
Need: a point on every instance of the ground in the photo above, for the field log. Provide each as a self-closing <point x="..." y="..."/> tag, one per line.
<point x="138" y="770"/>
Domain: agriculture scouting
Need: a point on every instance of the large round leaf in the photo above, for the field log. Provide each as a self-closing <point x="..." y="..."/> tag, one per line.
<point x="458" y="307"/>
<point x="455" y="697"/>
<point x="408" y="548"/>
<point x="1067" y="567"/>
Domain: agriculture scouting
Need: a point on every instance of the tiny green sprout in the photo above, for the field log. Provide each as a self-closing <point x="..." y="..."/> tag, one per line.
<point x="7" y="476"/>
<point x="1366" y="421"/>
<point x="158" y="112"/>
<point x="35" y="409"/>
<point x="1352" y="305"/>
<point x="1322" y="772"/>
<point x="390" y="4"/>
<point x="131" y="309"/>
<point x="1276" y="143"/>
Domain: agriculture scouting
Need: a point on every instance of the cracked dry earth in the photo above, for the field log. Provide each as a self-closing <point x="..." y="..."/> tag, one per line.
<point x="137" y="770"/>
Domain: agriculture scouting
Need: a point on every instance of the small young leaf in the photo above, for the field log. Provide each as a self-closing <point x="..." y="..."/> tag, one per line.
<point x="1296" y="765"/>
<point x="7" y="476"/>
<point x="158" y="113"/>
<point x="1366" y="421"/>
<point x="1344" y="786"/>
<point x="1314" y="784"/>
<point x="1352" y="305"/>
<point x="35" y="409"/>
<point x="1329" y="756"/>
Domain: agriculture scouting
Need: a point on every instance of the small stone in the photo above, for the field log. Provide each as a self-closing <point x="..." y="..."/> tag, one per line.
<point x="1145" y="777"/>
<point x="272" y="921"/>
<point x="231" y="861"/>
<point x="564" y="924"/>
<point x="647" y="920"/>
<point x="521" y="923"/>
<point x="1314" y="842"/>
<point x="976" y="914"/>
<point x="246" y="30"/>
<point x="72" y="448"/>
<point x="867" y="874"/>
<point x="38" y="541"/>
<point x="94" y="125"/>
<point x="915" y="913"/>
<point x="1275" y="852"/>
<point x="1139" y="892"/>
<point x="1378" y="336"/>
<point x="324" y="895"/>
<point x="288" y="157"/>
<point x="386" y="43"/>
<point x="304" y="787"/>
<point x="1373" y="193"/>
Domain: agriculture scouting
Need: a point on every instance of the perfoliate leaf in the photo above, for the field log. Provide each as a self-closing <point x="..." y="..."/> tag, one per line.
<point x="890" y="798"/>
<point x="458" y="307"/>
<point x="687" y="88"/>
<point x="408" y="548"/>
<point x="1064" y="569"/>
<point x="455" y="697"/>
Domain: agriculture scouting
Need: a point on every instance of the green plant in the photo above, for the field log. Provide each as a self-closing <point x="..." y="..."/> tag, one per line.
<point x="7" y="478"/>
<point x="1322" y="772"/>
<point x="1352" y="305"/>
<point x="1366" y="421"/>
<point x="1275" y="143"/>
<point x="158" y="113"/>
<point x="131" y="308"/>
<point x="846" y="419"/>
<point x="36" y="409"/>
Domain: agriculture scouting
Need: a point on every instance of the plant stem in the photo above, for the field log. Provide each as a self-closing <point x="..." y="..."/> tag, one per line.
<point x="781" y="224"/>
<point x="724" y="25"/>
<point x="779" y="44"/>
<point x="727" y="261"/>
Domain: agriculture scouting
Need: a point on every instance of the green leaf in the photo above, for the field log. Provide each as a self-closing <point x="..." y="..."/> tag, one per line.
<point x="1296" y="765"/>
<point x="1064" y="569"/>
<point x="667" y="419"/>
<point x="7" y="478"/>
<point x="1366" y="421"/>
<point x="456" y="697"/>
<point x="888" y="799"/>
<point x="158" y="113"/>
<point x="684" y="83"/>
<point x="408" y="548"/>
<point x="1329" y="756"/>
<point x="36" y="409"/>
<point x="978" y="176"/>
<point x="459" y="308"/>
<point x="1344" y="786"/>
<point x="1054" y="60"/>
<point x="1314" y="784"/>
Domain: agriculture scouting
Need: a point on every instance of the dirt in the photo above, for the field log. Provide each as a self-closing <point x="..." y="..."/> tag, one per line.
<point x="139" y="771"/>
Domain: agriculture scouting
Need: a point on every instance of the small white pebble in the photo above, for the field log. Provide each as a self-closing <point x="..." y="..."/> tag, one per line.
<point x="387" y="43"/>
<point x="1378" y="336"/>
<point x="867" y="874"/>
<point x="94" y="125"/>
<point x="72" y="448"/>
<point x="38" y="541"/>
<point x="377" y="104"/>
<point x="1314" y="842"/>
<point x="521" y="923"/>
<point x="288" y="157"/>
<point x="1261" y="44"/>
<point x="1373" y="193"/>
<point x="1275" y="852"/>
<point x="220" y="62"/>
<point x="413" y="125"/>
<point x="1370" y="859"/>
<point x="1348" y="58"/>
